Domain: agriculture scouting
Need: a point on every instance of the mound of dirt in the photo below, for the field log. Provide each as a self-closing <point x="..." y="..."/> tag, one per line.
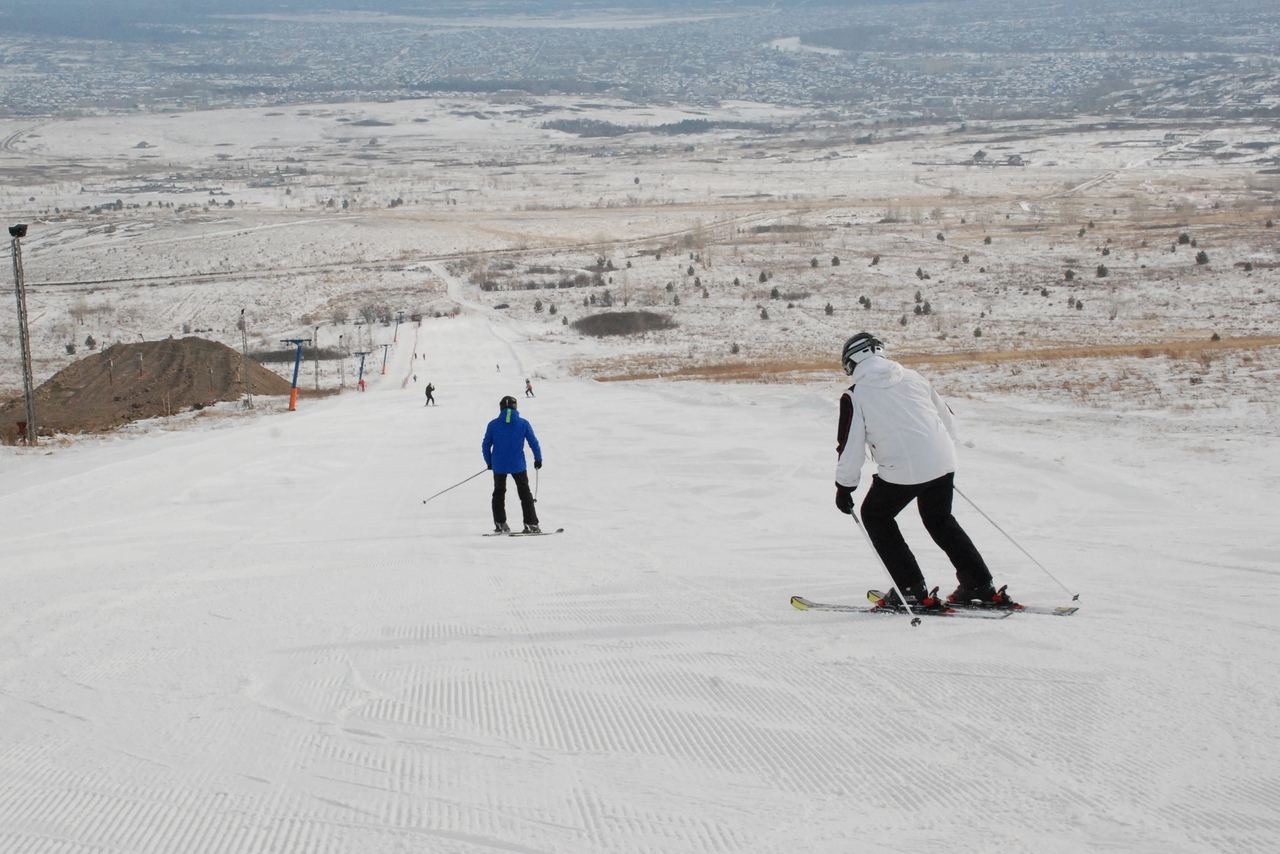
<point x="129" y="382"/>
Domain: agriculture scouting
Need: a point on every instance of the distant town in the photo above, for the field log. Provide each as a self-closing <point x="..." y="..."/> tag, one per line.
<point x="980" y="60"/>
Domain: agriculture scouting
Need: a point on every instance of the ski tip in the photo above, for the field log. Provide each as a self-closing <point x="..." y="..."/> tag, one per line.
<point x="800" y="602"/>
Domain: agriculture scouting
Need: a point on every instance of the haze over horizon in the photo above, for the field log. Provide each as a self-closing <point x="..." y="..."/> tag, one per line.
<point x="955" y="60"/>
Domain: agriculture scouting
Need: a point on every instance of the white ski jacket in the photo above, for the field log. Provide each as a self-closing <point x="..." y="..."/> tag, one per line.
<point x="896" y="413"/>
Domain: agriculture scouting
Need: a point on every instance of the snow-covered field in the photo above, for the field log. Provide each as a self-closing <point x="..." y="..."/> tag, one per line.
<point x="155" y="224"/>
<point x="231" y="636"/>
<point x="243" y="632"/>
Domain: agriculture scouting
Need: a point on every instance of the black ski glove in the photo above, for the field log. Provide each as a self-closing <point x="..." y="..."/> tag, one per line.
<point x="844" y="498"/>
<point x="537" y="464"/>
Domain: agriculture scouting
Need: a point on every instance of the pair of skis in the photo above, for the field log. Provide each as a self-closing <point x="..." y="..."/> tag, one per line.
<point x="971" y="611"/>
<point x="523" y="534"/>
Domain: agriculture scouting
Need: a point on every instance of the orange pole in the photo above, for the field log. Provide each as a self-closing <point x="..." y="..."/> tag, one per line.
<point x="293" y="399"/>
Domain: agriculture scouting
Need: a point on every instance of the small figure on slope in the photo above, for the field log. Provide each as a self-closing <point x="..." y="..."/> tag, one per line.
<point x="528" y="388"/>
<point x="430" y="396"/>
<point x="897" y="414"/>
<point x="503" y="449"/>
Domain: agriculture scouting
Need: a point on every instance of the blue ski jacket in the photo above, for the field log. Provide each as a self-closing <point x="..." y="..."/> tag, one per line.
<point x="503" y="445"/>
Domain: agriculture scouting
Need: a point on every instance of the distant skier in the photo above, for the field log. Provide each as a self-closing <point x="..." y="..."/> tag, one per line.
<point x="910" y="432"/>
<point x="430" y="396"/>
<point x="528" y="388"/>
<point x="503" y="449"/>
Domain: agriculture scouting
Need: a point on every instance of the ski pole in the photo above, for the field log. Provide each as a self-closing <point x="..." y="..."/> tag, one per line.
<point x="536" y="472"/>
<point x="456" y="485"/>
<point x="915" y="621"/>
<point x="1074" y="596"/>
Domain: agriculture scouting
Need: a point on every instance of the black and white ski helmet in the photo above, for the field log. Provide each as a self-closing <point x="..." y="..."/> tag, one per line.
<point x="857" y="348"/>
<point x="507" y="402"/>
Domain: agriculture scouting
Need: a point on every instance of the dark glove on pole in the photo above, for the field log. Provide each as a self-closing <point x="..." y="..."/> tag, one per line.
<point x="537" y="464"/>
<point x="844" y="498"/>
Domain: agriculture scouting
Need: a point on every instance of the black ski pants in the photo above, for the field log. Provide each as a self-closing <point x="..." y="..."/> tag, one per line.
<point x="522" y="489"/>
<point x="886" y="500"/>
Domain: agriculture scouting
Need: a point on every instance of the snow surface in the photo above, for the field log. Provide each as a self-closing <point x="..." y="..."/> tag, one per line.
<point x="260" y="639"/>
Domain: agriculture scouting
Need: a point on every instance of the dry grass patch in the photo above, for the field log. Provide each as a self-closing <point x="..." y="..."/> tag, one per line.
<point x="779" y="370"/>
<point x="1172" y="349"/>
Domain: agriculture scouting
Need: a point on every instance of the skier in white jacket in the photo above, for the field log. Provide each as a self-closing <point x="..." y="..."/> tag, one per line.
<point x="895" y="412"/>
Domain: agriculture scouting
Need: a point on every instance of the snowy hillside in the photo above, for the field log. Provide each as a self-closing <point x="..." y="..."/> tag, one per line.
<point x="257" y="638"/>
<point x="767" y="237"/>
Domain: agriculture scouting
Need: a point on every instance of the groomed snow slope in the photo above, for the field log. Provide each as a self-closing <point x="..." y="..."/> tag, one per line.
<point x="260" y="640"/>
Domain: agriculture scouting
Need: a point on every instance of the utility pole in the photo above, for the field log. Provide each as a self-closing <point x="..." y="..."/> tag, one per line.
<point x="297" y="362"/>
<point x="315" y="349"/>
<point x="16" y="233"/>
<point x="384" y="357"/>
<point x="244" y="345"/>
<point x="399" y="319"/>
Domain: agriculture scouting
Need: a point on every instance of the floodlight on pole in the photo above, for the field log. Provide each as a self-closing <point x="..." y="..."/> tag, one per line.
<point x="244" y="368"/>
<point x="16" y="233"/>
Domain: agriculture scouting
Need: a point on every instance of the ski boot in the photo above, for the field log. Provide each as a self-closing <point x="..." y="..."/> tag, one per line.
<point x="978" y="597"/>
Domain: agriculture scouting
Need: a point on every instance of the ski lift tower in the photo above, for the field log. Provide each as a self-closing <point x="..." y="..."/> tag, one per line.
<point x="360" y="376"/>
<point x="297" y="362"/>
<point x="384" y="357"/>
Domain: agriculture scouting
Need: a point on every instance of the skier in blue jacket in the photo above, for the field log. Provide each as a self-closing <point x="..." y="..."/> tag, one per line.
<point x="503" y="450"/>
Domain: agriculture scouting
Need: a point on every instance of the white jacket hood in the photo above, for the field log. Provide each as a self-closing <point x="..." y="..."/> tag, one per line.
<point x="879" y="372"/>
